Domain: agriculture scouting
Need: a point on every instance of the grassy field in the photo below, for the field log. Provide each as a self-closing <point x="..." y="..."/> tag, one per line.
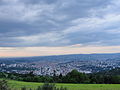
<point x="19" y="84"/>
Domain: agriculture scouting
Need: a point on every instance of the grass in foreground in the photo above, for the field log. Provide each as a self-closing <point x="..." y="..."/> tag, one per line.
<point x="19" y="84"/>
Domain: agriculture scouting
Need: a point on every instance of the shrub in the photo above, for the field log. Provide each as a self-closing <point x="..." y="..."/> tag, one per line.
<point x="4" y="85"/>
<point x="48" y="86"/>
<point x="23" y="88"/>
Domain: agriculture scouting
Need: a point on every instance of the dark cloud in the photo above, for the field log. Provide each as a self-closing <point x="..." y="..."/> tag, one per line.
<point x="51" y="22"/>
<point x="39" y="1"/>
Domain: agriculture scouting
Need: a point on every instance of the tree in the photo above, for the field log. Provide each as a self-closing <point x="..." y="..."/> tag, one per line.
<point x="76" y="77"/>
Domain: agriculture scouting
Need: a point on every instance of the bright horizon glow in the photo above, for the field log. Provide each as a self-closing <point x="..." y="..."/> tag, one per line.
<point x="48" y="51"/>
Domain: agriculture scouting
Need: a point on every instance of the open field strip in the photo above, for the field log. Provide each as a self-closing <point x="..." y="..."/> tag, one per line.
<point x="19" y="84"/>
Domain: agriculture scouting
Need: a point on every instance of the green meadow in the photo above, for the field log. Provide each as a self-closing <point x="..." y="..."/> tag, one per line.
<point x="18" y="84"/>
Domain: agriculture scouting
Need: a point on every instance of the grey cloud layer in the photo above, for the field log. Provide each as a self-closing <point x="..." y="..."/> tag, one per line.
<point x="59" y="22"/>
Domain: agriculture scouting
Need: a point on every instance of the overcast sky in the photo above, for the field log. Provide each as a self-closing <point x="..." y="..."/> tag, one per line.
<point x="53" y="27"/>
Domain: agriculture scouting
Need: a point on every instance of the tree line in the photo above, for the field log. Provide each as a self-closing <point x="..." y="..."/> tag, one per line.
<point x="105" y="77"/>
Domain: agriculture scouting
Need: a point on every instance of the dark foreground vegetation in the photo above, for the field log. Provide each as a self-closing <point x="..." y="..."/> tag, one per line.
<point x="104" y="77"/>
<point x="46" y="86"/>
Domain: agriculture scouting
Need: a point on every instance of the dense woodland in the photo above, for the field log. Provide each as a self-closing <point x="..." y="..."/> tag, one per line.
<point x="104" y="77"/>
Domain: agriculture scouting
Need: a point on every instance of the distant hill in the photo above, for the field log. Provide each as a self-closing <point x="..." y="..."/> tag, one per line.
<point x="46" y="65"/>
<point x="72" y="57"/>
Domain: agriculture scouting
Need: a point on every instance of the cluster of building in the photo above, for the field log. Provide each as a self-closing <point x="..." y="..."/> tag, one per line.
<point x="51" y="68"/>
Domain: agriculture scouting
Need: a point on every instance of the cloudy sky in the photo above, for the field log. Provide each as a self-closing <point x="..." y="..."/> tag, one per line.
<point x="53" y="27"/>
